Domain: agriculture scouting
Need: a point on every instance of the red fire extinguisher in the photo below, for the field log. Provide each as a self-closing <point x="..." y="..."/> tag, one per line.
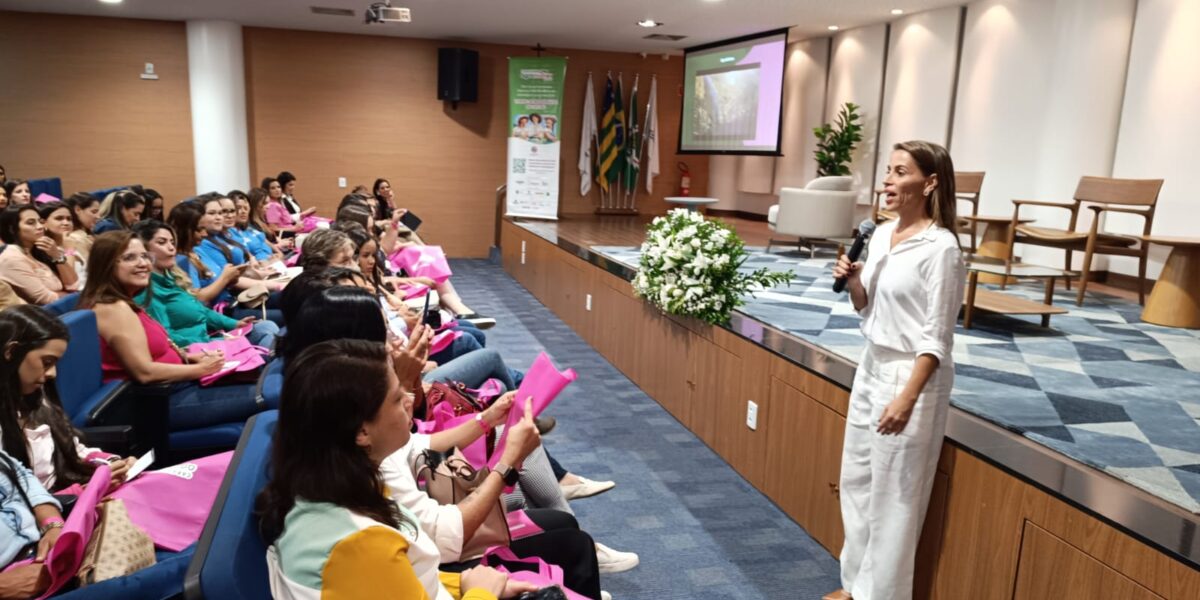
<point x="685" y="180"/>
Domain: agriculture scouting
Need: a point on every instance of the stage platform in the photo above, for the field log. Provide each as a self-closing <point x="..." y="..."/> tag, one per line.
<point x="1099" y="409"/>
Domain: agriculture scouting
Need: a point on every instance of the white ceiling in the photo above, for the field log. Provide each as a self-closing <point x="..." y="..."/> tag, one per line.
<point x="586" y="24"/>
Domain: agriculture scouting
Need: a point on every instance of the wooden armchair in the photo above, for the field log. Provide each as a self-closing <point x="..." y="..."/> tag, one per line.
<point x="1100" y="195"/>
<point x="966" y="187"/>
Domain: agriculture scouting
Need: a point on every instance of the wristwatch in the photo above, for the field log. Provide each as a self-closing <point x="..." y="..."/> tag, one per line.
<point x="509" y="474"/>
<point x="61" y="260"/>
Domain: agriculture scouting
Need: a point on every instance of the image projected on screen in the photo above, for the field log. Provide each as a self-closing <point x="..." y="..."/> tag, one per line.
<point x="732" y="96"/>
<point x="726" y="104"/>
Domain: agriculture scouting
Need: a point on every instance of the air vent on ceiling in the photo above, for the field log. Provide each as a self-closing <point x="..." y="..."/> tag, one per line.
<point x="332" y="12"/>
<point x="662" y="37"/>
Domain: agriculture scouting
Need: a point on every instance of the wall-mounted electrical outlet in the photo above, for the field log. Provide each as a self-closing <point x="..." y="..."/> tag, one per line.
<point x="751" y="415"/>
<point x="522" y="251"/>
<point x="341" y="182"/>
<point x="587" y="302"/>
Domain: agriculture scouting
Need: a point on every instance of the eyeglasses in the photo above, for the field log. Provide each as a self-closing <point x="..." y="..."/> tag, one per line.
<point x="132" y="258"/>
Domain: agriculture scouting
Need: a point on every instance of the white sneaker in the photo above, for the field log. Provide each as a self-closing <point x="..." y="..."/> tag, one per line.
<point x="605" y="595"/>
<point x="613" y="561"/>
<point x="586" y="487"/>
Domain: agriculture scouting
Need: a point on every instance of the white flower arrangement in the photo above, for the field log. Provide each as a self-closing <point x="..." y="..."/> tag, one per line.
<point x="689" y="267"/>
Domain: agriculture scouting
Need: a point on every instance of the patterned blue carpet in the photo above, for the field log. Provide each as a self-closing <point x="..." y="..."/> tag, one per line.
<point x="1098" y="385"/>
<point x="700" y="529"/>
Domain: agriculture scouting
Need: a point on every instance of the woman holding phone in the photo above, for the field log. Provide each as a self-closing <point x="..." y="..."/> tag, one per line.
<point x="908" y="291"/>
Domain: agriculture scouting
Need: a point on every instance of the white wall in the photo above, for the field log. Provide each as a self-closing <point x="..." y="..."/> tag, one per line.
<point x="803" y="109"/>
<point x="1160" y="123"/>
<point x="918" y="91"/>
<point x="1039" y="100"/>
<point x="856" y="75"/>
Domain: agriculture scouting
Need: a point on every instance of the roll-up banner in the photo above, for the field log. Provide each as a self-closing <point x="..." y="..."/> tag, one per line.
<point x="535" y="92"/>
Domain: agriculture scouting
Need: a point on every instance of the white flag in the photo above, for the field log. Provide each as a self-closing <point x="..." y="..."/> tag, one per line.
<point x="651" y="135"/>
<point x="586" y="144"/>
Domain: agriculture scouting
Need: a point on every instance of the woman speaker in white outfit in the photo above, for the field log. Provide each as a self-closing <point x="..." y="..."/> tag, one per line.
<point x="908" y="292"/>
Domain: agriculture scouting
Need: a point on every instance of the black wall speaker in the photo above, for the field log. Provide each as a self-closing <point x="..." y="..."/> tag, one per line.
<point x="458" y="75"/>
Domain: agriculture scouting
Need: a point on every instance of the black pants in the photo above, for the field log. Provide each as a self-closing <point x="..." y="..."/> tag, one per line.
<point x="562" y="543"/>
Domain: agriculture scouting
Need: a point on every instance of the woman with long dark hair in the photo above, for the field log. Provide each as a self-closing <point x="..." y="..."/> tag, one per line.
<point x="119" y="210"/>
<point x="908" y="291"/>
<point x="18" y="192"/>
<point x="30" y="262"/>
<point x="343" y="412"/>
<point x="133" y="346"/>
<point x="189" y="222"/>
<point x="35" y="430"/>
<point x="244" y="232"/>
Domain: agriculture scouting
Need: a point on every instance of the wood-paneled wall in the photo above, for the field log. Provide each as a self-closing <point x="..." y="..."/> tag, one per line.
<point x="73" y="105"/>
<point x="988" y="535"/>
<point x="325" y="106"/>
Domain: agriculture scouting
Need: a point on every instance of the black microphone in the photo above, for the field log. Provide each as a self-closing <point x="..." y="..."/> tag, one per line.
<point x="865" y="229"/>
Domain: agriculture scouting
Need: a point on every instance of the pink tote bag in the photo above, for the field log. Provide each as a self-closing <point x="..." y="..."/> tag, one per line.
<point x="172" y="504"/>
<point x="546" y="575"/>
<point x="240" y="356"/>
<point x="543" y="383"/>
<point x="64" y="559"/>
<point x="422" y="261"/>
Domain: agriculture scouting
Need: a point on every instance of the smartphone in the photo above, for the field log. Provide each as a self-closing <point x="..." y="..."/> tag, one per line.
<point x="432" y="318"/>
<point x="410" y="220"/>
<point x="142" y="463"/>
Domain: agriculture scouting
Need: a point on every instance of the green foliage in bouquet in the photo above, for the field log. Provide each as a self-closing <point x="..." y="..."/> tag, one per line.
<point x="689" y="267"/>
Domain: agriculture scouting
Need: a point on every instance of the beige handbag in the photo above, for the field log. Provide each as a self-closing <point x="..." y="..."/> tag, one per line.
<point x="449" y="479"/>
<point x="117" y="548"/>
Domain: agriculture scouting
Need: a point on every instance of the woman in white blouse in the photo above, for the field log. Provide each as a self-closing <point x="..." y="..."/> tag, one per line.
<point x="908" y="292"/>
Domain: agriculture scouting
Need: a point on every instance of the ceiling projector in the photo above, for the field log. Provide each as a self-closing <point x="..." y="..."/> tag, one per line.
<point x="383" y="12"/>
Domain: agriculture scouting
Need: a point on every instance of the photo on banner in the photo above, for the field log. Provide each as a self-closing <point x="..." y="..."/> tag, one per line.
<point x="535" y="93"/>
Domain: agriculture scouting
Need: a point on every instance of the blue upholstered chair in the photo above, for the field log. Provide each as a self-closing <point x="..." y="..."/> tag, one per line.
<point x="231" y="559"/>
<point x="63" y="305"/>
<point x="46" y="185"/>
<point x="111" y="415"/>
<point x="270" y="383"/>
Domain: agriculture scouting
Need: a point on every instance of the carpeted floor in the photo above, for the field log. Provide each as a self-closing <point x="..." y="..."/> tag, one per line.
<point x="702" y="532"/>
<point x="1098" y="385"/>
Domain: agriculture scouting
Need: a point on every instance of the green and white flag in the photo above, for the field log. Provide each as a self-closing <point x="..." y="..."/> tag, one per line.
<point x="633" y="146"/>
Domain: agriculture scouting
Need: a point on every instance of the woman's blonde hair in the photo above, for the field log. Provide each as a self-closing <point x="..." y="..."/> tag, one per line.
<point x="933" y="159"/>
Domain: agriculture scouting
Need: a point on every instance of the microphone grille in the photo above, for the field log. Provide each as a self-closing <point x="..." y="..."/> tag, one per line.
<point x="867" y="227"/>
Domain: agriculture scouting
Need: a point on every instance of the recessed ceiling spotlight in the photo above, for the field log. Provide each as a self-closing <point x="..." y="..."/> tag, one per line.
<point x="833" y="28"/>
<point x="649" y="23"/>
<point x="897" y="11"/>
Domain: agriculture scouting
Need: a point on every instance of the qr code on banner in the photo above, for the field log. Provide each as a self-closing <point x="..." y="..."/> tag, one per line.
<point x="518" y="166"/>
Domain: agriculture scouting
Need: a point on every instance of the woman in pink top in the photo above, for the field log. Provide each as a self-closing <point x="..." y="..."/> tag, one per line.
<point x="279" y="219"/>
<point x="32" y="263"/>
<point x="134" y="346"/>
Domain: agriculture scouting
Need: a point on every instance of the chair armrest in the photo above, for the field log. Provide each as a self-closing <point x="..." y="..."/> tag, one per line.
<point x="1070" y="207"/>
<point x="1132" y="211"/>
<point x="116" y="439"/>
<point x="106" y="403"/>
<point x="145" y="408"/>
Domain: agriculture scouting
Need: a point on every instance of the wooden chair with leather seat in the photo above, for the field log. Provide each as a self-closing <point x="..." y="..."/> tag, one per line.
<point x="1100" y="195"/>
<point x="966" y="188"/>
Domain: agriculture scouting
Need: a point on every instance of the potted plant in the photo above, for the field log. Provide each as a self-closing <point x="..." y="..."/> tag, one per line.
<point x="836" y="142"/>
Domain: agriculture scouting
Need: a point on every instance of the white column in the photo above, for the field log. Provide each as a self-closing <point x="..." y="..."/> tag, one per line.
<point x="216" y="74"/>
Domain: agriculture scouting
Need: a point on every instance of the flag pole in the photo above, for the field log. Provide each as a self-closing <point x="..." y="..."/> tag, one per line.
<point x="642" y="143"/>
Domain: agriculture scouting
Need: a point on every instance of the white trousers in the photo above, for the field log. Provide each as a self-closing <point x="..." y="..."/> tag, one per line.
<point x="887" y="479"/>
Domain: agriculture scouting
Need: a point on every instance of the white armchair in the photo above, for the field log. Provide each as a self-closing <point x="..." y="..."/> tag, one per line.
<point x="823" y="209"/>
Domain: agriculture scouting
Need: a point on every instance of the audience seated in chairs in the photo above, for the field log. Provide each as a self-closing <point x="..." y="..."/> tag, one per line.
<point x="31" y="262"/>
<point x="257" y="219"/>
<point x="246" y="233"/>
<point x="343" y="413"/>
<point x="167" y="299"/>
<point x="344" y="313"/>
<point x="119" y="210"/>
<point x="136" y="347"/>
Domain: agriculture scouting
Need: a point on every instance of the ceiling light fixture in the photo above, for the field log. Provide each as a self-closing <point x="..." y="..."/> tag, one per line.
<point x="111" y="1"/>
<point x="647" y="23"/>
<point x="897" y="11"/>
<point x="833" y="28"/>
